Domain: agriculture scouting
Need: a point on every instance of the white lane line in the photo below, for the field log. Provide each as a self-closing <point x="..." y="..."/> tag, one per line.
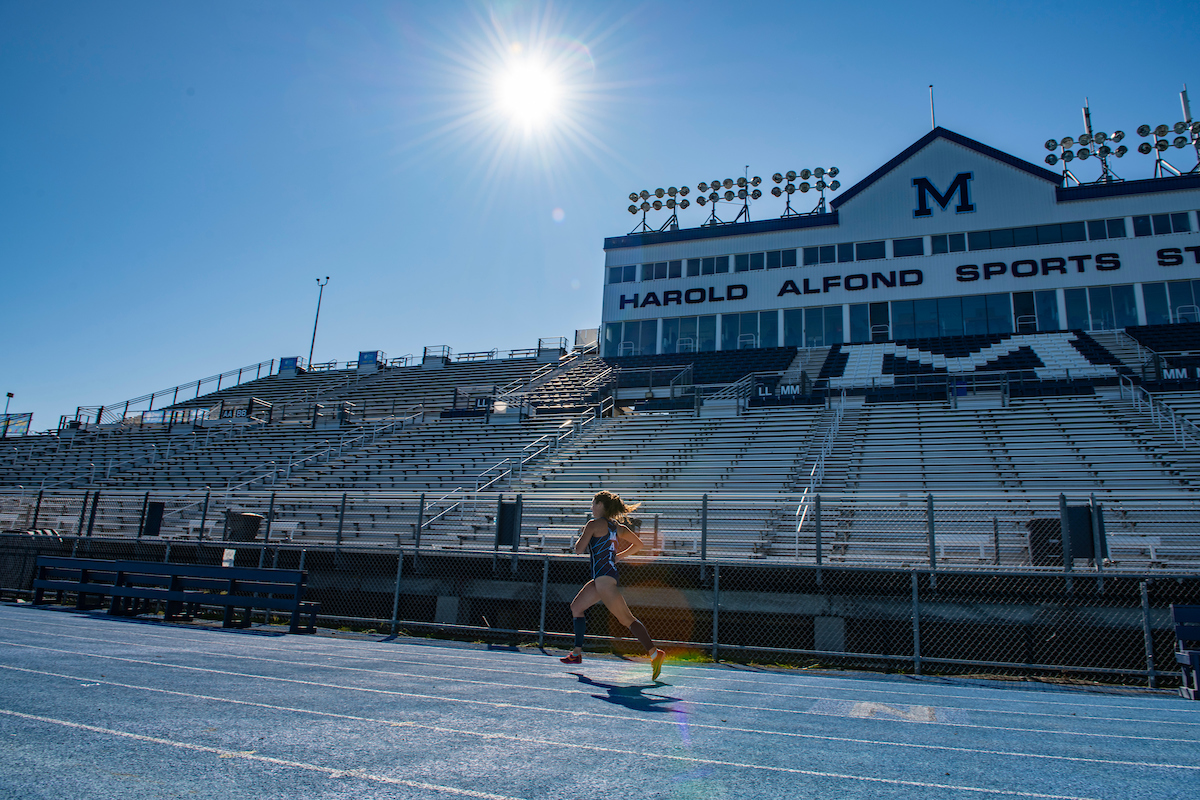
<point x="672" y="723"/>
<point x="991" y="694"/>
<point x="491" y="704"/>
<point x="617" y="671"/>
<point x="470" y="793"/>
<point x="280" y="762"/>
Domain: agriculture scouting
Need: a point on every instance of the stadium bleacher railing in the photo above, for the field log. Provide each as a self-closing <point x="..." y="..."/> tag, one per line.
<point x="1183" y="431"/>
<point x="117" y="412"/>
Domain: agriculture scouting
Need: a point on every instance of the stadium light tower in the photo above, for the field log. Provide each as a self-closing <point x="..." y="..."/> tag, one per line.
<point x="676" y="198"/>
<point x="746" y="192"/>
<point x="1162" y="139"/>
<point x="820" y="173"/>
<point x="8" y="399"/>
<point x="1093" y="144"/>
<point x="317" y="318"/>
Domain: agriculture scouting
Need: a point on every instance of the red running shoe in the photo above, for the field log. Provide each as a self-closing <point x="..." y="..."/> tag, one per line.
<point x="573" y="658"/>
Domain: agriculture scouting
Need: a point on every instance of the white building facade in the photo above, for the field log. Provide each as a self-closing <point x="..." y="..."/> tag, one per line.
<point x="950" y="237"/>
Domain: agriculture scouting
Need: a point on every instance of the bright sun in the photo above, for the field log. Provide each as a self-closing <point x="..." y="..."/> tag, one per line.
<point x="529" y="93"/>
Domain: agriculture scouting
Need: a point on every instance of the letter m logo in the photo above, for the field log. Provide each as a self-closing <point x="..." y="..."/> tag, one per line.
<point x="961" y="186"/>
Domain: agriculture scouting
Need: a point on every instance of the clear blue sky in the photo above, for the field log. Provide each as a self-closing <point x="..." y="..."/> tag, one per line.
<point x="175" y="176"/>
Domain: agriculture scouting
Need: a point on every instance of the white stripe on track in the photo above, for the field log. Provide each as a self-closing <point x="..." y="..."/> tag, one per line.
<point x="939" y="699"/>
<point x="279" y="762"/>
<point x="691" y="724"/>
<point x="544" y="709"/>
<point x="993" y="695"/>
<point x="470" y="793"/>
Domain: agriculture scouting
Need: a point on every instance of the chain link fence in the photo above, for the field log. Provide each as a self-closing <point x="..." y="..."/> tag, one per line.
<point x="912" y="584"/>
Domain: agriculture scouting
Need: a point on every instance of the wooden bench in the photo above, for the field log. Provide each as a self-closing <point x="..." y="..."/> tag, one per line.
<point x="1187" y="629"/>
<point x="131" y="586"/>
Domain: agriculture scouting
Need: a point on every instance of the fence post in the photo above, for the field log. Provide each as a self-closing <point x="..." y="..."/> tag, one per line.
<point x="142" y="518"/>
<point x="817" y="528"/>
<point x="996" y="541"/>
<point x="1151" y="675"/>
<point x="545" y="587"/>
<point x="396" y="590"/>
<point x="417" y="531"/>
<point x="92" y="517"/>
<point x="270" y="516"/>
<point x="929" y="528"/>
<point x="1064" y="535"/>
<point x="37" y="509"/>
<point x="204" y="514"/>
<point x="716" y="612"/>
<point x="703" y="533"/>
<point x="1097" y="557"/>
<point x="916" y="616"/>
<point x="341" y="518"/>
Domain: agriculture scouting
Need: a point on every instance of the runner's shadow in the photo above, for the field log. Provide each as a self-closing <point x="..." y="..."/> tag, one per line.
<point x="631" y="697"/>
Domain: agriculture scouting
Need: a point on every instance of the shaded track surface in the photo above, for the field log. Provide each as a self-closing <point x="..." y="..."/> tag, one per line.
<point x="100" y="707"/>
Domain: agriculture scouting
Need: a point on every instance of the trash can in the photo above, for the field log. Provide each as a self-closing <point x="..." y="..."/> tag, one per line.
<point x="240" y="527"/>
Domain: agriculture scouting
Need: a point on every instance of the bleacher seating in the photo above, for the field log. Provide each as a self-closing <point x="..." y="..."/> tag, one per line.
<point x="1057" y="429"/>
<point x="1178" y="338"/>
<point x="709" y="368"/>
<point x="1032" y="356"/>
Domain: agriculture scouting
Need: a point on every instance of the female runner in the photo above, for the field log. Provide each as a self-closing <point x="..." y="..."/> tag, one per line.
<point x="607" y="538"/>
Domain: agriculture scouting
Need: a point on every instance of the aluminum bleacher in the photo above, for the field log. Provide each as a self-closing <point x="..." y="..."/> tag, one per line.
<point x="434" y="432"/>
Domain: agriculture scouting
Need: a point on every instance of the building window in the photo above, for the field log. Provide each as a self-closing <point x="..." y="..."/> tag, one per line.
<point x="948" y="243"/>
<point x="845" y="252"/>
<point x="652" y="272"/>
<point x="722" y="264"/>
<point x="826" y="254"/>
<point x="630" y="338"/>
<point x="1159" y="224"/>
<point x="908" y="247"/>
<point x="749" y="330"/>
<point x="693" y="267"/>
<point x="741" y="263"/>
<point x="869" y="251"/>
<point x="1106" y="228"/>
<point x="627" y="274"/>
<point x="689" y="334"/>
<point x="773" y="260"/>
<point x="674" y="269"/>
<point x="756" y="261"/>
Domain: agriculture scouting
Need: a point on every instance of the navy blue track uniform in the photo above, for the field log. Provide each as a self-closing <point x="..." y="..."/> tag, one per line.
<point x="603" y="551"/>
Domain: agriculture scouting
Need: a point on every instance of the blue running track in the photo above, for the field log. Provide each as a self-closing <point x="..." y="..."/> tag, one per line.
<point x="97" y="707"/>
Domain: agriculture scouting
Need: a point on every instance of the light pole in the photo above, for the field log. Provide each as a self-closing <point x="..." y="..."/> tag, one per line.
<point x="8" y="400"/>
<point x="317" y="318"/>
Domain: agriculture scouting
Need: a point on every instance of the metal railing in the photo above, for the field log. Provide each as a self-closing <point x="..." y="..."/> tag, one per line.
<point x="116" y="412"/>
<point x="816" y="475"/>
<point x="1184" y="432"/>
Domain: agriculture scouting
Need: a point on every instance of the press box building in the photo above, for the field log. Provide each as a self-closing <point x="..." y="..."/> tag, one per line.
<point x="950" y="237"/>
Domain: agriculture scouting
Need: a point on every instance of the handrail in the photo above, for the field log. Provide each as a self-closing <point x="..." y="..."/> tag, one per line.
<point x="1183" y="430"/>
<point x="125" y="405"/>
<point x="426" y="523"/>
<point x="817" y="473"/>
<point x="505" y="474"/>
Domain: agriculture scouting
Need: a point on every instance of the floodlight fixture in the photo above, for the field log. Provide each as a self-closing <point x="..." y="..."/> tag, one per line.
<point x="1187" y="133"/>
<point x="791" y="176"/>
<point x="633" y="197"/>
<point x="741" y="182"/>
<point x="1090" y="143"/>
<point x="755" y="181"/>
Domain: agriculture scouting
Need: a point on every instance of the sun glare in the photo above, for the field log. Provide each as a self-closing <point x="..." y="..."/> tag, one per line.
<point x="529" y="93"/>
